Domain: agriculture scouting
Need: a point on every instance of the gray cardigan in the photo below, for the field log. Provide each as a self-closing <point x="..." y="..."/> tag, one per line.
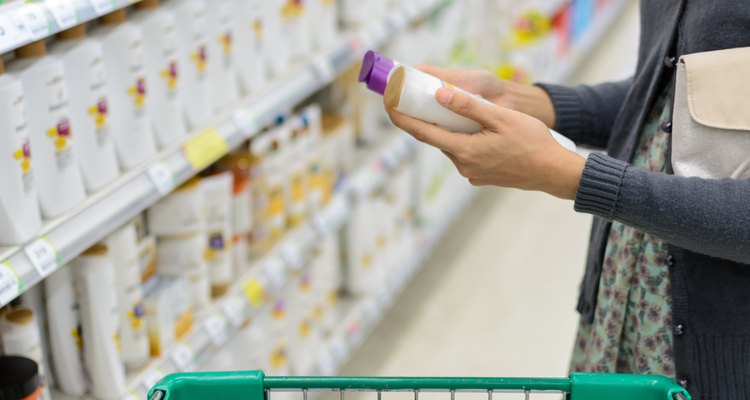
<point x="706" y="222"/>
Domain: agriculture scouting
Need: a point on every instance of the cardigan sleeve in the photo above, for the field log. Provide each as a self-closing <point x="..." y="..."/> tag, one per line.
<point x="585" y="113"/>
<point x="707" y="216"/>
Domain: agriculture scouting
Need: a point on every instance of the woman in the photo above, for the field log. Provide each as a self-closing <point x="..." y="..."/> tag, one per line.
<point x="667" y="285"/>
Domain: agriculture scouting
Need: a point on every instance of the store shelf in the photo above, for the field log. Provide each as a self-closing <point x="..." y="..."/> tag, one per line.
<point x="213" y="327"/>
<point x="23" y="22"/>
<point x="63" y="238"/>
<point x="588" y="41"/>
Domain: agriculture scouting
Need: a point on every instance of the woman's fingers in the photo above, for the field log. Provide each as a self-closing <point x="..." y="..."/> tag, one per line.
<point x="427" y="133"/>
<point x="479" y="110"/>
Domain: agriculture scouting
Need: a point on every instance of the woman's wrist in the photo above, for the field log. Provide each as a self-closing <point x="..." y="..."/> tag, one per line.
<point x="531" y="100"/>
<point x="566" y="170"/>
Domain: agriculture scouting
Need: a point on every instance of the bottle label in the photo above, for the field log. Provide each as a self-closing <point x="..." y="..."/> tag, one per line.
<point x="98" y="113"/>
<point x="23" y="156"/>
<point x="61" y="134"/>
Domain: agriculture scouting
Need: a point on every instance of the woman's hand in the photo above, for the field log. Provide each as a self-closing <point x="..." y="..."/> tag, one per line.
<point x="512" y="149"/>
<point x="527" y="99"/>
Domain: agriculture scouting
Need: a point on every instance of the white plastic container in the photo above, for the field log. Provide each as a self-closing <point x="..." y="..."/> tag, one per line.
<point x="65" y="338"/>
<point x="19" y="206"/>
<point x="100" y="322"/>
<point x="181" y="212"/>
<point x="56" y="173"/>
<point x="163" y="71"/>
<point x="20" y="333"/>
<point x="123" y="248"/>
<point x="277" y="49"/>
<point x="89" y="109"/>
<point x="324" y="15"/>
<point x="222" y="49"/>
<point x="193" y="54"/>
<point x="217" y="201"/>
<point x="185" y="255"/>
<point x="125" y="65"/>
<point x="250" y="29"/>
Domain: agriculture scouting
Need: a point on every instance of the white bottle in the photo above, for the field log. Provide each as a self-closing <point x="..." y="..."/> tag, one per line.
<point x="185" y="255"/>
<point x="278" y="52"/>
<point x="19" y="330"/>
<point x="86" y="83"/>
<point x="222" y="50"/>
<point x="412" y="92"/>
<point x="19" y="206"/>
<point x="250" y="28"/>
<point x="100" y="322"/>
<point x="124" y="62"/>
<point x="65" y="338"/>
<point x="58" y="178"/>
<point x="163" y="71"/>
<point x="193" y="54"/>
<point x="217" y="203"/>
<point x="122" y="245"/>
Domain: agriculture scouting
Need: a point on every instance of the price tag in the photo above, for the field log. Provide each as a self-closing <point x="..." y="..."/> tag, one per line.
<point x="323" y="68"/>
<point x="10" y="285"/>
<point x="183" y="357"/>
<point x="254" y="292"/>
<point x="42" y="256"/>
<point x="291" y="253"/>
<point x="216" y="328"/>
<point x="234" y="310"/>
<point x="245" y="121"/>
<point x="162" y="178"/>
<point x="204" y="148"/>
<point x="276" y="273"/>
<point x="151" y="378"/>
<point x="64" y="12"/>
<point x="102" y="6"/>
<point x="34" y="19"/>
<point x="12" y="32"/>
<point x="355" y="44"/>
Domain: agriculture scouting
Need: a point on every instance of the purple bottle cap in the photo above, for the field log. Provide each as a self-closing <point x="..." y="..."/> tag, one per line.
<point x="374" y="72"/>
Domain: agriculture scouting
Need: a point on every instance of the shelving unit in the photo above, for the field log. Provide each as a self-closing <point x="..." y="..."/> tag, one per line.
<point x="63" y="238"/>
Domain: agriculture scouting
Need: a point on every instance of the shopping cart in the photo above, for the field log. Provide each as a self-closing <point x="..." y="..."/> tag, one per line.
<point x="253" y="385"/>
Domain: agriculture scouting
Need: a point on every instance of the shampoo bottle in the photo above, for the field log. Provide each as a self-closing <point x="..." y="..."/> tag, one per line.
<point x="58" y="178"/>
<point x="412" y="92"/>
<point x="249" y="27"/>
<point x="86" y="80"/>
<point x="163" y="71"/>
<point x="222" y="63"/>
<point x="124" y="62"/>
<point x="19" y="207"/>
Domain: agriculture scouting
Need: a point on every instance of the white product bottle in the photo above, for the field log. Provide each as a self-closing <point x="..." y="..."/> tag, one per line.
<point x="193" y="54"/>
<point x="64" y="332"/>
<point x="100" y="322"/>
<point x="296" y="27"/>
<point x="277" y="49"/>
<point x="412" y="92"/>
<point x="86" y="83"/>
<point x="217" y="202"/>
<point x="124" y="62"/>
<point x="20" y="333"/>
<point x="181" y="212"/>
<point x="163" y="71"/>
<point x="58" y="179"/>
<point x="250" y="27"/>
<point x="325" y="16"/>
<point x="222" y="48"/>
<point x="122" y="245"/>
<point x="19" y="206"/>
<point x="185" y="255"/>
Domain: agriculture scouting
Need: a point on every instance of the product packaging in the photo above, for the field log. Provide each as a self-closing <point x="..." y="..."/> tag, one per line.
<point x="185" y="255"/>
<point x="19" y="379"/>
<point x="249" y="26"/>
<point x="127" y="89"/>
<point x="100" y="322"/>
<point x="86" y="82"/>
<point x="20" y="333"/>
<point x="217" y="203"/>
<point x="222" y="49"/>
<point x="66" y="341"/>
<point x="193" y="54"/>
<point x="276" y="46"/>
<point x="19" y="206"/>
<point x="123" y="248"/>
<point x="168" y="313"/>
<point x="180" y="212"/>
<point x="56" y="173"/>
<point x="163" y="71"/>
<point x="239" y="163"/>
<point x="324" y="15"/>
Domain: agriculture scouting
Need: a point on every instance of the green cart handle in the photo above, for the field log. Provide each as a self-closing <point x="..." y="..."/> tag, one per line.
<point x="252" y="385"/>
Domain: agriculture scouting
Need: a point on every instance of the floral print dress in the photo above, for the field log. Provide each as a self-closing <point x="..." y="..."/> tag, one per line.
<point x="631" y="329"/>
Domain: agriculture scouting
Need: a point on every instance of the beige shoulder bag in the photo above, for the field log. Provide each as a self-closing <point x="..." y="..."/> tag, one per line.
<point x="711" y="120"/>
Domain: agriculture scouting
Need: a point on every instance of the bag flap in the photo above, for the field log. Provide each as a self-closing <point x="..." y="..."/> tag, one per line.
<point x="718" y="88"/>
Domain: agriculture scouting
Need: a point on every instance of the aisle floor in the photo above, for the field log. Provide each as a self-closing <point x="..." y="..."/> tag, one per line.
<point x="498" y="296"/>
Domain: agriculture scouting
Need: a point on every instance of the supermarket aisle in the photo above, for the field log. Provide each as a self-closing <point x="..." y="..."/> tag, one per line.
<point x="498" y="297"/>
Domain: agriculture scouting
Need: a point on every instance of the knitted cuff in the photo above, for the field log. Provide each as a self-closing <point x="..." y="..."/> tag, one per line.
<point x="568" y="110"/>
<point x="600" y="184"/>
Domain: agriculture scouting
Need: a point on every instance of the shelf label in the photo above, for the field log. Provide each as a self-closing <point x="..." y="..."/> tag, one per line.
<point x="102" y="6"/>
<point x="216" y="328"/>
<point x="151" y="378"/>
<point x="254" y="292"/>
<point x="12" y="32"/>
<point x="276" y="272"/>
<point x="323" y="68"/>
<point x="162" y="178"/>
<point x="35" y="20"/>
<point x="42" y="256"/>
<point x="64" y="12"/>
<point x="10" y="285"/>
<point x="245" y="121"/>
<point x="234" y="310"/>
<point x="204" y="148"/>
<point x="183" y="357"/>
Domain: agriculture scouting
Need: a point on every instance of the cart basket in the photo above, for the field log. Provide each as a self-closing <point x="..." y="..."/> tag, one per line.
<point x="254" y="385"/>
